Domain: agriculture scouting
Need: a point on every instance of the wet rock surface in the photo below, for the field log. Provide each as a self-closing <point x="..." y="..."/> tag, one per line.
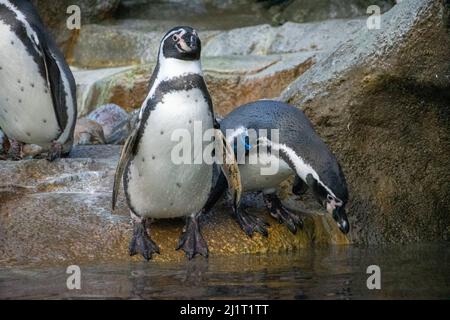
<point x="60" y="212"/>
<point x="381" y="100"/>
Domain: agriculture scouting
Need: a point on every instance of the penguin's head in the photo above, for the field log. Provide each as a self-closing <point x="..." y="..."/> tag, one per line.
<point x="181" y="43"/>
<point x="333" y="199"/>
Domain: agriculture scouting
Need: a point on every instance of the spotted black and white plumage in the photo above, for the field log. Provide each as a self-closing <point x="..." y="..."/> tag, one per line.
<point x="298" y="150"/>
<point x="37" y="91"/>
<point x="156" y="187"/>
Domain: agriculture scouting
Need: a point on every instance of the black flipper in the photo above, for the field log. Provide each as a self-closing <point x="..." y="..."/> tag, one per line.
<point x="216" y="193"/>
<point x="191" y="240"/>
<point x="226" y="158"/>
<point x="56" y="86"/>
<point x="125" y="156"/>
<point x="283" y="215"/>
<point x="141" y="243"/>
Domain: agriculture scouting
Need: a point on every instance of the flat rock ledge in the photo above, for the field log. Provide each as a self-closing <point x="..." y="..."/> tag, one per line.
<point x="60" y="213"/>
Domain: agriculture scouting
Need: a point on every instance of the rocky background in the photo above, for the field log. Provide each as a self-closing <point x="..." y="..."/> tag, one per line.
<point x="379" y="98"/>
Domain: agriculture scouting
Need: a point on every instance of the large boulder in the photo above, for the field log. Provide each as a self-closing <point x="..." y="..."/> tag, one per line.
<point x="115" y="122"/>
<point x="231" y="80"/>
<point x="88" y="132"/>
<point x="60" y="213"/>
<point x="137" y="42"/>
<point x="381" y="100"/>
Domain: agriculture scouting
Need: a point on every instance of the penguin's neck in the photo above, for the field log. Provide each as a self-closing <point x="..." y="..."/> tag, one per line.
<point x="169" y="68"/>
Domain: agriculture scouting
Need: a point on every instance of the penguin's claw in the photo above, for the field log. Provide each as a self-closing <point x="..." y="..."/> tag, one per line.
<point x="55" y="151"/>
<point x="283" y="215"/>
<point x="192" y="241"/>
<point x="141" y="243"/>
<point x="250" y="223"/>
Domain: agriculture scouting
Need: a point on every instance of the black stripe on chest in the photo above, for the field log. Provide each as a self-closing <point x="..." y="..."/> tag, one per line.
<point x="183" y="83"/>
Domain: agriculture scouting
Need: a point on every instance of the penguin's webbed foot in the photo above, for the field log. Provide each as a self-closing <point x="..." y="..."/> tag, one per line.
<point x="141" y="242"/>
<point x="283" y="215"/>
<point x="5" y="146"/>
<point x="251" y="223"/>
<point x="191" y="240"/>
<point x="15" y="150"/>
<point x="55" y="151"/>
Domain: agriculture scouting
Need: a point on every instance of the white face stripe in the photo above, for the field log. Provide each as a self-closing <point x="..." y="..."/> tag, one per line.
<point x="165" y="38"/>
<point x="171" y="68"/>
<point x="21" y="17"/>
<point x="301" y="167"/>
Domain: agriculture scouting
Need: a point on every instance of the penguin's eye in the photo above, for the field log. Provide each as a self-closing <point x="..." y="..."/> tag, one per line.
<point x="329" y="198"/>
<point x="175" y="37"/>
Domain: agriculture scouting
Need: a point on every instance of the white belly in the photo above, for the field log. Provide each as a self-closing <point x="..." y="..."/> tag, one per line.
<point x="157" y="187"/>
<point x="26" y="107"/>
<point x="253" y="176"/>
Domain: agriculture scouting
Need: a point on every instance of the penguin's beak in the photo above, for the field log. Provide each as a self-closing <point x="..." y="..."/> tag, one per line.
<point x="190" y="42"/>
<point x="340" y="217"/>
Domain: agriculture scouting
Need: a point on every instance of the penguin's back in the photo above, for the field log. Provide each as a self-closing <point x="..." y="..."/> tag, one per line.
<point x="295" y="131"/>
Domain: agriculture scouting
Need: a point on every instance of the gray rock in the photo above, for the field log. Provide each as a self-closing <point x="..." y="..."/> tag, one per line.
<point x="288" y="38"/>
<point x="115" y="122"/>
<point x="88" y="132"/>
<point x="129" y="42"/>
<point x="381" y="101"/>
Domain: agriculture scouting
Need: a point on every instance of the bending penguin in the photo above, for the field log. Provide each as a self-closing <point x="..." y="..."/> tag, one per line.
<point x="37" y="88"/>
<point x="298" y="150"/>
<point x="155" y="185"/>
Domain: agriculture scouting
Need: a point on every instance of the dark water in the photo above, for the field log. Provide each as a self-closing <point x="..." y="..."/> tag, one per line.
<point x="407" y="272"/>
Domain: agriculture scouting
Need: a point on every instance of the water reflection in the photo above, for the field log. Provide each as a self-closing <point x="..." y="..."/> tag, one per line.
<point x="416" y="271"/>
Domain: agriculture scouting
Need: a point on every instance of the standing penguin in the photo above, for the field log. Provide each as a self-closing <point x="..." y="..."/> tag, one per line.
<point x="299" y="150"/>
<point x="155" y="185"/>
<point x="37" y="88"/>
